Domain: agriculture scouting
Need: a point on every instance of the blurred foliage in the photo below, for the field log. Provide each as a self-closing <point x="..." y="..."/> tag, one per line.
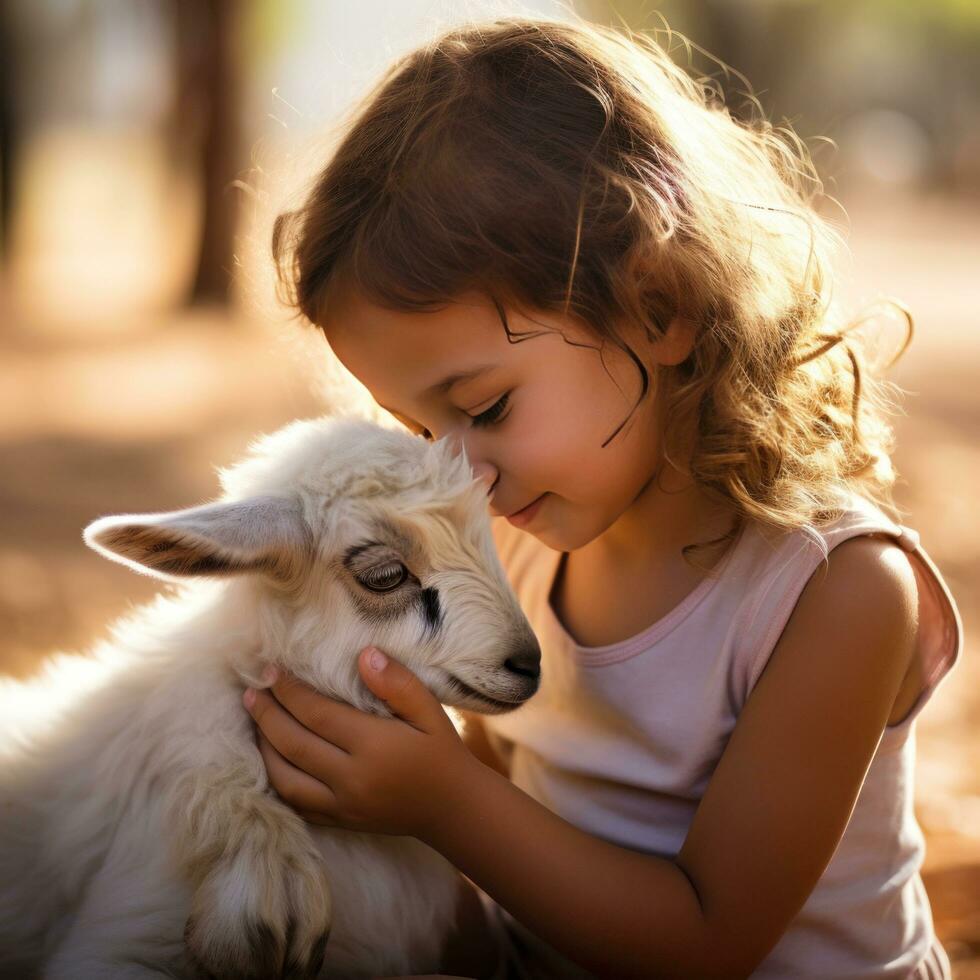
<point x="825" y="68"/>
<point x="267" y="27"/>
<point x="957" y="16"/>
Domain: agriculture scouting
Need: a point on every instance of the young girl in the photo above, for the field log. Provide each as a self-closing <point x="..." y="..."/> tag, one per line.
<point x="547" y="241"/>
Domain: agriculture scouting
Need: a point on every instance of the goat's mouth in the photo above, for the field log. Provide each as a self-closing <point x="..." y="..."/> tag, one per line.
<point x="480" y="696"/>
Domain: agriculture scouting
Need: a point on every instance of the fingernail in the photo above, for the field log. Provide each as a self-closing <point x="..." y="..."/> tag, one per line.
<point x="248" y="697"/>
<point x="269" y="675"/>
<point x="377" y="659"/>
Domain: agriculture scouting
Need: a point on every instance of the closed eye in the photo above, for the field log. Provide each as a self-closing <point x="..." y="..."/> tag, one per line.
<point x="485" y="418"/>
<point x="492" y="414"/>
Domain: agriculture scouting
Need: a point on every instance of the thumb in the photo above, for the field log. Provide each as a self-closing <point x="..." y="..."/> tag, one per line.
<point x="396" y="685"/>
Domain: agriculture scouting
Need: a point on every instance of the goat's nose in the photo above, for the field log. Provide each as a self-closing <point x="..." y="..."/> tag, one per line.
<point x="526" y="660"/>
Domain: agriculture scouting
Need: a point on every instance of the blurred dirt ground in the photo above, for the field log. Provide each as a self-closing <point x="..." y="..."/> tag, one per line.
<point x="113" y="423"/>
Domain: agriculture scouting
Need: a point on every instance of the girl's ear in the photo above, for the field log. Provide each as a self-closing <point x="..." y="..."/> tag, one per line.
<point x="261" y="534"/>
<point x="677" y="343"/>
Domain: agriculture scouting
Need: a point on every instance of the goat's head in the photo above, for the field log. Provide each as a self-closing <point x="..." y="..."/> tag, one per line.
<point x="345" y="534"/>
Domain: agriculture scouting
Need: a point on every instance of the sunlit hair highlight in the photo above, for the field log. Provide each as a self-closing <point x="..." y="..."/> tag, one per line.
<point x="576" y="169"/>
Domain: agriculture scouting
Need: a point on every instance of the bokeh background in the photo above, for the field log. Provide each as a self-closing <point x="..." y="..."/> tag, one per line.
<point x="147" y="145"/>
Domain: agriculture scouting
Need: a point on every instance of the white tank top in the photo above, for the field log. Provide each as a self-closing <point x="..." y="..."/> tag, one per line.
<point x="621" y="741"/>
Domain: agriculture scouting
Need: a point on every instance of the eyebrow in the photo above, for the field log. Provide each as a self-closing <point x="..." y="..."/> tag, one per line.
<point x="451" y="381"/>
<point x="454" y="379"/>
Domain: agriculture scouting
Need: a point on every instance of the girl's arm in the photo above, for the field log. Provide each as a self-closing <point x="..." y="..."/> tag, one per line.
<point x="768" y="824"/>
<point x="770" y="820"/>
<point x="475" y="738"/>
<point x="471" y="950"/>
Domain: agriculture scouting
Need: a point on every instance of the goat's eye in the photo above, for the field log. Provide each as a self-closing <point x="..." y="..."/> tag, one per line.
<point x="384" y="578"/>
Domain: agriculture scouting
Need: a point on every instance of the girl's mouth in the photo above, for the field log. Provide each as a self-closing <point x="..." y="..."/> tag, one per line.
<point x="526" y="514"/>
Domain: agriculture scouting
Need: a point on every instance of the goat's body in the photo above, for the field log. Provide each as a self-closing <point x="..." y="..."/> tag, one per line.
<point x="79" y="794"/>
<point x="90" y="876"/>
<point x="138" y="834"/>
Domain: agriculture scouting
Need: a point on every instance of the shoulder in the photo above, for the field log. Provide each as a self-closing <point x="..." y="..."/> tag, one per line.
<point x="869" y="575"/>
<point x="856" y="618"/>
<point x="875" y="557"/>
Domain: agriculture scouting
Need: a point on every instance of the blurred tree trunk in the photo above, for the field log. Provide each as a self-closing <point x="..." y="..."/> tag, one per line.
<point x="205" y="131"/>
<point x="8" y="124"/>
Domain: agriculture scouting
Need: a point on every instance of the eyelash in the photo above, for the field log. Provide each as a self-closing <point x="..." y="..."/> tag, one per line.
<point x="485" y="418"/>
<point x="492" y="414"/>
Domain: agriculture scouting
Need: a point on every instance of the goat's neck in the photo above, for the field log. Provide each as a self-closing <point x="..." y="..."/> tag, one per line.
<point x="243" y="625"/>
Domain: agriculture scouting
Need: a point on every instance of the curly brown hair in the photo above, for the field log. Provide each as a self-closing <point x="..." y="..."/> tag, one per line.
<point x="571" y="168"/>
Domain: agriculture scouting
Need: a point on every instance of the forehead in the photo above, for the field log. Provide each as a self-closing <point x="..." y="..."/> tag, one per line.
<point x="394" y="350"/>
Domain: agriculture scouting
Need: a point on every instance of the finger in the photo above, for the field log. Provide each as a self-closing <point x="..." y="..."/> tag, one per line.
<point x="304" y="749"/>
<point x="333" y="720"/>
<point x="295" y="787"/>
<point x="401" y="690"/>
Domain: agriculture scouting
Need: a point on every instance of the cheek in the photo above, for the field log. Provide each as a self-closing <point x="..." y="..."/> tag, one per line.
<point x="563" y="425"/>
<point x="614" y="473"/>
<point x="564" y="455"/>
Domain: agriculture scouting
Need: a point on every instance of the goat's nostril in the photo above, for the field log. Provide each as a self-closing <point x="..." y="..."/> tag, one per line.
<point x="526" y="662"/>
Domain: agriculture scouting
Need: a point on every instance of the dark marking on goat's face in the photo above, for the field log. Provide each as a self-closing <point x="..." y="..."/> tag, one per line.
<point x="389" y="542"/>
<point x="431" y="610"/>
<point x="379" y="609"/>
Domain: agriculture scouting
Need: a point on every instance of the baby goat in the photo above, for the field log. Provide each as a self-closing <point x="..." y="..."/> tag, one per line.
<point x="138" y="834"/>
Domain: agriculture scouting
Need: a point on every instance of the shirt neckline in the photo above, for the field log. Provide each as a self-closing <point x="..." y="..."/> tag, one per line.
<point x="612" y="653"/>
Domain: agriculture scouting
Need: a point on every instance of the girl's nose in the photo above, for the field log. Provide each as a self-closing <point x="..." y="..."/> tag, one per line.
<point x="486" y="472"/>
<point x="482" y="469"/>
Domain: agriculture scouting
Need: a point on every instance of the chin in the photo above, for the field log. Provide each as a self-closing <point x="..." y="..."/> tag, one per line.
<point x="559" y="539"/>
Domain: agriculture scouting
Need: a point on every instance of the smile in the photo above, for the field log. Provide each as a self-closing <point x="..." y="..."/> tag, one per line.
<point x="526" y="514"/>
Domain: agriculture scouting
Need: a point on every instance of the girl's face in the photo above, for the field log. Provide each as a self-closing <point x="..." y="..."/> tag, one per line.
<point x="533" y="415"/>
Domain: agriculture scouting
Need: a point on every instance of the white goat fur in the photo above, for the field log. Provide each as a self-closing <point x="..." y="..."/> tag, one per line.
<point x="135" y="800"/>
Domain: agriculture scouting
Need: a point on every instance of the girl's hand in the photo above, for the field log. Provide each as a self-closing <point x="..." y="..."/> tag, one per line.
<point x="339" y="766"/>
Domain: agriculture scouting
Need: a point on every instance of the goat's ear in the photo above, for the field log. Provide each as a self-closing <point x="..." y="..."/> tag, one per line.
<point x="261" y="534"/>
